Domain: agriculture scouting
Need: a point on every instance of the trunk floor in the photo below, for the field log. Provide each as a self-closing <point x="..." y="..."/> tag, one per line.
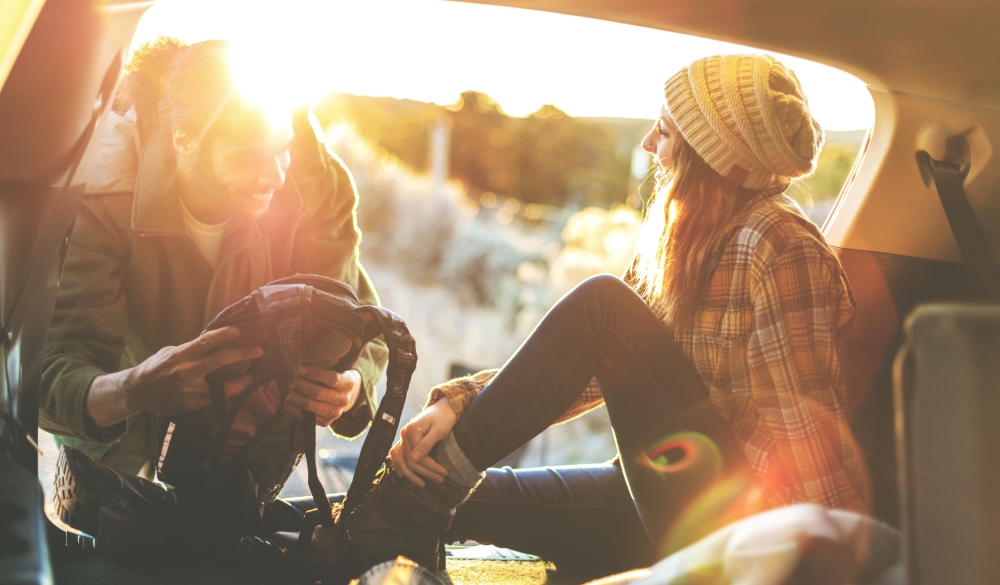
<point x="91" y="570"/>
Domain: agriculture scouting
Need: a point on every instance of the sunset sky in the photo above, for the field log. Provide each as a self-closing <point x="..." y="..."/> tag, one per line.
<point x="430" y="50"/>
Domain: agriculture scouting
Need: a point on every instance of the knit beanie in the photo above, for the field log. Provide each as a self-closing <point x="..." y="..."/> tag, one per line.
<point x="747" y="117"/>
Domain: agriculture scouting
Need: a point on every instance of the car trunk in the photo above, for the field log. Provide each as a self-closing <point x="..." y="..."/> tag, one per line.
<point x="925" y="65"/>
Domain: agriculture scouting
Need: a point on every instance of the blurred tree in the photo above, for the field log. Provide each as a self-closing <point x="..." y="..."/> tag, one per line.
<point x="562" y="160"/>
<point x="548" y="157"/>
<point x="601" y="171"/>
<point x="400" y="127"/>
<point x="480" y="135"/>
<point x="543" y="157"/>
<point x="840" y="150"/>
<point x="835" y="162"/>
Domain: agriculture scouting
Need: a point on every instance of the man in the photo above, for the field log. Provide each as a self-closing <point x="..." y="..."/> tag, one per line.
<point x="197" y="198"/>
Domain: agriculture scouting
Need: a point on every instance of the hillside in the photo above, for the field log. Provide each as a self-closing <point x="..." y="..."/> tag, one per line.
<point x="547" y="157"/>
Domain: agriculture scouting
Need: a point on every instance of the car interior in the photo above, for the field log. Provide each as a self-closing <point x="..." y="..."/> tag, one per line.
<point x="931" y="69"/>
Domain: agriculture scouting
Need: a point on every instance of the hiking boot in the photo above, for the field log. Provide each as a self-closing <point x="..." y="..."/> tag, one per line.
<point x="395" y="518"/>
<point x="127" y="515"/>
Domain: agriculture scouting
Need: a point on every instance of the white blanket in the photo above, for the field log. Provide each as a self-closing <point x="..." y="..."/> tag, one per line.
<point x="797" y="544"/>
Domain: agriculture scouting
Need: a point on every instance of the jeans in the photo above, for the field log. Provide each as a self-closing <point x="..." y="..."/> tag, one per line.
<point x="581" y="517"/>
<point x="673" y="444"/>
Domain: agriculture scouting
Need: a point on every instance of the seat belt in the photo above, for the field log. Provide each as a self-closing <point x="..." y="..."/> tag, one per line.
<point x="948" y="180"/>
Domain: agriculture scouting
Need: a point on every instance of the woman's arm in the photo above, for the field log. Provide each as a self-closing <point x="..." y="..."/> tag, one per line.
<point x="461" y="391"/>
<point x="801" y="307"/>
<point x="445" y="404"/>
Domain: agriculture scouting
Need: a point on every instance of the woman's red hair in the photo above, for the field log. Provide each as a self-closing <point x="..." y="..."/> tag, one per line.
<point x="692" y="206"/>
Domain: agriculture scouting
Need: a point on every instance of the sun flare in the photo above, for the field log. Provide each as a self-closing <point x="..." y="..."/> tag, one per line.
<point x="432" y="51"/>
<point x="265" y="81"/>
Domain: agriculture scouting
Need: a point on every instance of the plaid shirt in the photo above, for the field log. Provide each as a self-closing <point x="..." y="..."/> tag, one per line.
<point x="768" y="339"/>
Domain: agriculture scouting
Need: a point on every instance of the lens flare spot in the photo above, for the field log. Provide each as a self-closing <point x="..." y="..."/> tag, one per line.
<point x="681" y="452"/>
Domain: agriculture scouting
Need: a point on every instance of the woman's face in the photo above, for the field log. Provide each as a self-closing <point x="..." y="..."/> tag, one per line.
<point x="661" y="139"/>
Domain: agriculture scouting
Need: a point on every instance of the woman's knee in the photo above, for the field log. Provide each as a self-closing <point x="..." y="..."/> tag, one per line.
<point x="595" y="296"/>
<point x="605" y="284"/>
<point x="600" y="301"/>
<point x="610" y="292"/>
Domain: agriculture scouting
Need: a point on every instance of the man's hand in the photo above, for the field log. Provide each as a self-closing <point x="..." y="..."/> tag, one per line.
<point x="409" y="454"/>
<point x="325" y="393"/>
<point x="171" y="381"/>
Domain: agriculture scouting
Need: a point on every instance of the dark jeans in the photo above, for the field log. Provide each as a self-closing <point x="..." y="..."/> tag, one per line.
<point x="672" y="442"/>
<point x="581" y="517"/>
<point x="673" y="445"/>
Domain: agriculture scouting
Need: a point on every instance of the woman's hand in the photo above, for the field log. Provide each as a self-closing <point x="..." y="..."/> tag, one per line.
<point x="409" y="454"/>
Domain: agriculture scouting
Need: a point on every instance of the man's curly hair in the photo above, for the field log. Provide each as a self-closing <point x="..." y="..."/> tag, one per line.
<point x="144" y="79"/>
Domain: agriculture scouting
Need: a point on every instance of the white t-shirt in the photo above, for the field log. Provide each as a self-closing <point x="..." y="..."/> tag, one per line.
<point x="207" y="237"/>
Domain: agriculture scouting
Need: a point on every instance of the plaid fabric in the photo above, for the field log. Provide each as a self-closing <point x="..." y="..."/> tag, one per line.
<point x="768" y="339"/>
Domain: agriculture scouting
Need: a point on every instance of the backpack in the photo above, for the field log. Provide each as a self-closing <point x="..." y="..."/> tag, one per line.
<point x="233" y="457"/>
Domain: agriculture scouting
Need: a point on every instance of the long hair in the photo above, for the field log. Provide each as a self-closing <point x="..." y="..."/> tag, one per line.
<point x="691" y="207"/>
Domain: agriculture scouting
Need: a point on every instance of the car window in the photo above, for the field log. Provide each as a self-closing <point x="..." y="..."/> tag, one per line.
<point x="495" y="153"/>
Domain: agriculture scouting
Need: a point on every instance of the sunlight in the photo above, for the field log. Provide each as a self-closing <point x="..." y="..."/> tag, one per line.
<point x="255" y="68"/>
<point x="431" y="51"/>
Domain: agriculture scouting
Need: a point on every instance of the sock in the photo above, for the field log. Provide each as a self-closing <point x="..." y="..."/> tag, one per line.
<point x="460" y="469"/>
<point x="462" y="478"/>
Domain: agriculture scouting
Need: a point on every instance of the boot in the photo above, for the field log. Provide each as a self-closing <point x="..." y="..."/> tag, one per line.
<point x="129" y="516"/>
<point x="395" y="518"/>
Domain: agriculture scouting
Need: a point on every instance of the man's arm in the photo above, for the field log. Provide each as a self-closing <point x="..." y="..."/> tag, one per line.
<point x="328" y="244"/>
<point x="83" y="393"/>
<point x="89" y="323"/>
<point x="171" y="381"/>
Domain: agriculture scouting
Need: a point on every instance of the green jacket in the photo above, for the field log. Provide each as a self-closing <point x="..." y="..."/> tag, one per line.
<point x="133" y="281"/>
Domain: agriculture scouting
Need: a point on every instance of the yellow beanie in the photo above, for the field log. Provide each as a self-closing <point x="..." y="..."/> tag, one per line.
<point x="747" y="117"/>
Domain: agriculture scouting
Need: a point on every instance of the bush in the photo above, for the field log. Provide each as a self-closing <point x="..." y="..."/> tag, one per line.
<point x="423" y="235"/>
<point x="481" y="266"/>
<point x="404" y="224"/>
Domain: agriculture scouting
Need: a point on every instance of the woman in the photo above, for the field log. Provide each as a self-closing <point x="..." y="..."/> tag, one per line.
<point x="721" y="361"/>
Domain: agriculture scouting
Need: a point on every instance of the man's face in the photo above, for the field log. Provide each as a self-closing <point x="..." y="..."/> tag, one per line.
<point x="237" y="171"/>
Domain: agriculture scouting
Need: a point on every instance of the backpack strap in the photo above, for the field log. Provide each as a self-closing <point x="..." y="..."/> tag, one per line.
<point x="402" y="363"/>
<point x="323" y="511"/>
